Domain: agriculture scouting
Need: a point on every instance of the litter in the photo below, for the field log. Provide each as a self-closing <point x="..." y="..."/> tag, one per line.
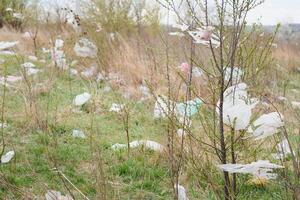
<point x="85" y="48"/>
<point x="261" y="169"/>
<point x="187" y="109"/>
<point x="56" y="195"/>
<point x="7" y="45"/>
<point x="283" y="150"/>
<point x="33" y="58"/>
<point x="146" y="143"/>
<point x="296" y="104"/>
<point x="237" y="74"/>
<point x="116" y="107"/>
<point x="181" y="193"/>
<point x="267" y="125"/>
<point x="90" y="72"/>
<point x="78" y="134"/>
<point x="7" y="157"/>
<point x="82" y="99"/>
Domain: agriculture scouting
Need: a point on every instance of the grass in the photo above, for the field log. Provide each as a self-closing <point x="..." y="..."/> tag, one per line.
<point x="144" y="175"/>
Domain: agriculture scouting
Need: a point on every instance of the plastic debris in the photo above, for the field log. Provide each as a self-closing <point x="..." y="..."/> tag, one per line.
<point x="182" y="193"/>
<point x="116" y="107"/>
<point x="85" y="48"/>
<point x="100" y="77"/>
<point x="182" y="27"/>
<point x="184" y="67"/>
<point x="205" y="36"/>
<point x="237" y="74"/>
<point x="261" y="169"/>
<point x="18" y="16"/>
<point x="107" y="89"/>
<point x="283" y="150"/>
<point x="78" y="134"/>
<point x="237" y="107"/>
<point x="145" y="92"/>
<point x="7" y="45"/>
<point x="82" y="99"/>
<point x="197" y="72"/>
<point x="30" y="68"/>
<point x="33" y="58"/>
<point x="281" y="98"/>
<point x="179" y="34"/>
<point x="90" y="72"/>
<point x="181" y="132"/>
<point x="59" y="43"/>
<point x="7" y="157"/>
<point x="161" y="109"/>
<point x="56" y="195"/>
<point x="296" y="104"/>
<point x="3" y="125"/>
<point x="58" y="55"/>
<point x="73" y="72"/>
<point x="146" y="143"/>
<point x="10" y="79"/>
<point x="188" y="108"/>
<point x="26" y="35"/>
<point x="267" y="125"/>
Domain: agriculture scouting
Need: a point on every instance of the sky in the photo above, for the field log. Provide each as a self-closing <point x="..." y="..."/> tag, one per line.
<point x="269" y="13"/>
<point x="274" y="11"/>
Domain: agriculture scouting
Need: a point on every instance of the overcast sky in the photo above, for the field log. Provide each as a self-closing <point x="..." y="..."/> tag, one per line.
<point x="269" y="13"/>
<point x="274" y="11"/>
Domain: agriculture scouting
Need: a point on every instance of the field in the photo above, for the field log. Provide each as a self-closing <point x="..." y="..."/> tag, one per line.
<point x="130" y="70"/>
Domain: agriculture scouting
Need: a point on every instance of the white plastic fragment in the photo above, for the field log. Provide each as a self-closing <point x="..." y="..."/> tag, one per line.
<point x="281" y="98"/>
<point x="30" y="68"/>
<point x="182" y="27"/>
<point x="26" y="35"/>
<point x="82" y="99"/>
<point x="161" y="109"/>
<point x="146" y="143"/>
<point x="234" y="72"/>
<point x="78" y="134"/>
<point x="107" y="89"/>
<point x="182" y="109"/>
<point x="267" y="125"/>
<point x="18" y="16"/>
<point x="296" y="104"/>
<point x="10" y="79"/>
<point x="197" y="72"/>
<point x="261" y="169"/>
<point x="145" y="92"/>
<point x="205" y="36"/>
<point x="179" y="34"/>
<point x="182" y="195"/>
<point x="73" y="72"/>
<point x="116" y="107"/>
<point x="3" y="125"/>
<point x="58" y="55"/>
<point x="7" y="45"/>
<point x="56" y="195"/>
<point x="28" y="65"/>
<point x="85" y="48"/>
<point x="283" y="150"/>
<point x="7" y="157"/>
<point x="33" y="58"/>
<point x="237" y="107"/>
<point x="90" y="72"/>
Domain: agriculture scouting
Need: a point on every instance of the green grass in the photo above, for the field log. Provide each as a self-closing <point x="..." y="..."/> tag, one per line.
<point x="144" y="175"/>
